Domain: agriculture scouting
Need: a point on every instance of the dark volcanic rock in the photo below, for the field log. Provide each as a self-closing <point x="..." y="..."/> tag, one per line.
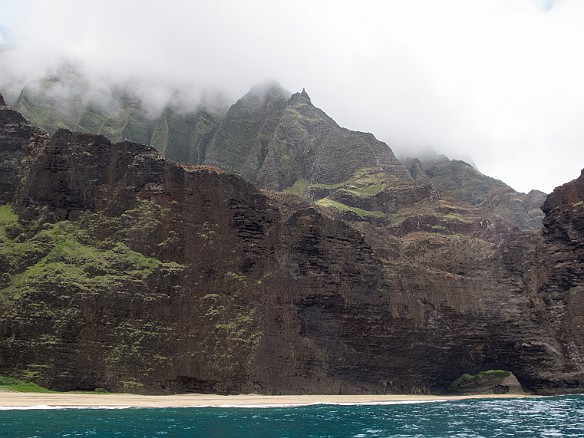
<point x="217" y="325"/>
<point x="2" y="100"/>
<point x="130" y="272"/>
<point x="564" y="210"/>
<point x="17" y="137"/>
<point x="561" y="283"/>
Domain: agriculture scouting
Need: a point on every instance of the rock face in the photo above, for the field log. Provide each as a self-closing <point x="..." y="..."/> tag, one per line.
<point x="188" y="292"/>
<point x="122" y="270"/>
<point x="564" y="211"/>
<point x="270" y="137"/>
<point x="184" y="136"/>
<point x="561" y="282"/>
<point x="274" y="140"/>
<point x="281" y="141"/>
<point x="181" y="132"/>
<point x="459" y="182"/>
<point x="17" y="136"/>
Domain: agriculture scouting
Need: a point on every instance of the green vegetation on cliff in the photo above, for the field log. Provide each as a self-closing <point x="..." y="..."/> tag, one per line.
<point x="12" y="384"/>
<point x="42" y="112"/>
<point x="59" y="275"/>
<point x="326" y="202"/>
<point x="65" y="253"/>
<point x="468" y="379"/>
<point x="298" y="188"/>
<point x="367" y="182"/>
<point x="7" y="219"/>
<point x="15" y="385"/>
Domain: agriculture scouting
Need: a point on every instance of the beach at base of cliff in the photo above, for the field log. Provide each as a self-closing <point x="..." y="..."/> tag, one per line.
<point x="115" y="400"/>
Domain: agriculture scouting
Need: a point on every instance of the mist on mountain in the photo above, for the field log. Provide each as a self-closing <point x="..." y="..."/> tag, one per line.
<point x="493" y="80"/>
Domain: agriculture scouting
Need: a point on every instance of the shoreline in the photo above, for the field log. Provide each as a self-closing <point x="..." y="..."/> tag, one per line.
<point x="23" y="400"/>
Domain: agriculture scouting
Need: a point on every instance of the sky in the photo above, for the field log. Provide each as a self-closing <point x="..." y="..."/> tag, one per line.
<point x="499" y="83"/>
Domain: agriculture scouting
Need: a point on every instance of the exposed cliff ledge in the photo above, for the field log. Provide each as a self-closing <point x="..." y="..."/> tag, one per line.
<point x="130" y="272"/>
<point x="564" y="213"/>
<point x="17" y="137"/>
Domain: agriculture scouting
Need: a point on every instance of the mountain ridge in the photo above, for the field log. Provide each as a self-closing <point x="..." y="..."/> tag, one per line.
<point x="281" y="141"/>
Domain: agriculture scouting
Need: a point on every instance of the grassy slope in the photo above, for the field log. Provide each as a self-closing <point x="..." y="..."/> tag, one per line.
<point x="66" y="252"/>
<point x="15" y="385"/>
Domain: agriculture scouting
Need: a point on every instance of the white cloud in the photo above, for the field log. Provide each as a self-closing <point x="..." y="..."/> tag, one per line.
<point x="495" y="80"/>
<point x="544" y="5"/>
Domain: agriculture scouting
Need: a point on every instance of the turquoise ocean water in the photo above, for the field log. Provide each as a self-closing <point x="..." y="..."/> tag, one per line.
<point x="546" y="417"/>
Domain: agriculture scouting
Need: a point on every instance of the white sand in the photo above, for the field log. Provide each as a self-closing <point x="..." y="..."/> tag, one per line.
<point x="16" y="399"/>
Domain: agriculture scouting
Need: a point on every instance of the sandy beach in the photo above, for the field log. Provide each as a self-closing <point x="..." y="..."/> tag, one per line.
<point x="27" y="400"/>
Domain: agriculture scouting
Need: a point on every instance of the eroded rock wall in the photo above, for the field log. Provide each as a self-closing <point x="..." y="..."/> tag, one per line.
<point x="133" y="273"/>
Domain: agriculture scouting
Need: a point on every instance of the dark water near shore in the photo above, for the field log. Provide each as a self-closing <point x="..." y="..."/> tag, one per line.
<point x="545" y="417"/>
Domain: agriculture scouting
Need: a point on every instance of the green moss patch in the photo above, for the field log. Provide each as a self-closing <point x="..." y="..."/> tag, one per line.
<point x="471" y="379"/>
<point x="65" y="253"/>
<point x="327" y="186"/>
<point x="326" y="202"/>
<point x="299" y="188"/>
<point x="7" y="218"/>
<point x="367" y="191"/>
<point x="15" y="385"/>
<point x="367" y="182"/>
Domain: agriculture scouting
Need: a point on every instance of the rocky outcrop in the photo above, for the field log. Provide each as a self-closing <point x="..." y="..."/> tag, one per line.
<point x="122" y="270"/>
<point x="443" y="203"/>
<point x="561" y="281"/>
<point x="212" y="307"/>
<point x="458" y="182"/>
<point x="17" y="137"/>
<point x="274" y="140"/>
<point x="564" y="214"/>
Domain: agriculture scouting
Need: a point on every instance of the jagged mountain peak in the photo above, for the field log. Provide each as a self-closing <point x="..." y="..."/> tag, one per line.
<point x="301" y="97"/>
<point x="277" y="140"/>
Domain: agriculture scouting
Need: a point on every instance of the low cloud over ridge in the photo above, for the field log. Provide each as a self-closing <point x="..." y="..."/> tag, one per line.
<point x="494" y="81"/>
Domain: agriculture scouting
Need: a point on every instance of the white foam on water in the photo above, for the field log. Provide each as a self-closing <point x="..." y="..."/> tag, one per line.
<point x="321" y="403"/>
<point x="249" y="406"/>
